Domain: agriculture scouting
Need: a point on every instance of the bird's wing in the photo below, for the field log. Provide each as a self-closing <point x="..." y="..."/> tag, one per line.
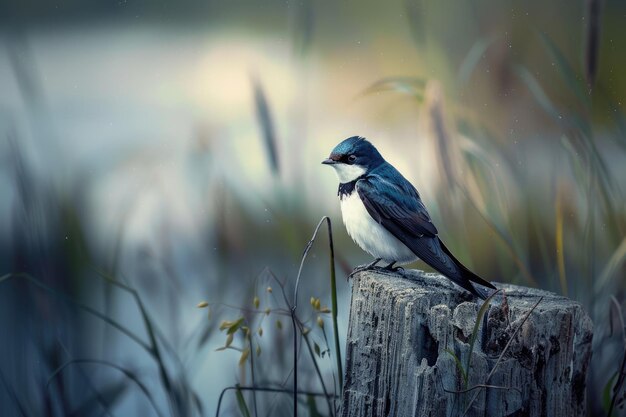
<point x="397" y="205"/>
<point x="399" y="209"/>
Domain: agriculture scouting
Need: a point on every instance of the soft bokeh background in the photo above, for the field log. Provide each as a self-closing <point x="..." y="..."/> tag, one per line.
<point x="175" y="147"/>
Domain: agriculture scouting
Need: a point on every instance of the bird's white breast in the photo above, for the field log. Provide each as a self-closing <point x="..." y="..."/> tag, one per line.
<point x="371" y="236"/>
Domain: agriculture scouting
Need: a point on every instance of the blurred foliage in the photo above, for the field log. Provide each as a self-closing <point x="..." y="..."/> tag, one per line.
<point x="143" y="171"/>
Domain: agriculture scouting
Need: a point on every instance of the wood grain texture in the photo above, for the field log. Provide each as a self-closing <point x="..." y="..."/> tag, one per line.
<point x="402" y="323"/>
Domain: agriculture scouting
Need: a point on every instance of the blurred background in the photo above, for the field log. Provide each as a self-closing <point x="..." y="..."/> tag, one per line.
<point x="155" y="155"/>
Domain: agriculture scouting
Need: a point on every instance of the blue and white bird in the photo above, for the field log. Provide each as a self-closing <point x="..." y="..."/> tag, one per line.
<point x="385" y="216"/>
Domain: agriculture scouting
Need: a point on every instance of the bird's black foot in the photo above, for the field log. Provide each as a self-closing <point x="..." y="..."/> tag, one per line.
<point x="366" y="267"/>
<point x="392" y="268"/>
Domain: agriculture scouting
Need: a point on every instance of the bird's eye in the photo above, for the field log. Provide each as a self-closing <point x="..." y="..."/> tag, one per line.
<point x="351" y="158"/>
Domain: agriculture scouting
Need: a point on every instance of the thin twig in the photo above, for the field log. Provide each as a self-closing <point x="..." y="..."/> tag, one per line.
<point x="293" y="308"/>
<point x="88" y="382"/>
<point x="307" y="248"/>
<point x="294" y="318"/>
<point x="463" y="391"/>
<point x="155" y="349"/>
<point x="252" y="376"/>
<point x="251" y="310"/>
<point x="298" y="326"/>
<point x="295" y="358"/>
<point x="506" y="347"/>
<point x="331" y="410"/>
<point x="264" y="389"/>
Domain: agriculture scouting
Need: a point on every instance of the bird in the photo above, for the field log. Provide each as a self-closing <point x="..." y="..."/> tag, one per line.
<point x="384" y="215"/>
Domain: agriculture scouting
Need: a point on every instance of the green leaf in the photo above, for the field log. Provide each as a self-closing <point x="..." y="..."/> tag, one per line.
<point x="244" y="356"/>
<point x="606" y="392"/>
<point x="415" y="15"/>
<point x="479" y="319"/>
<point x="459" y="365"/>
<point x="566" y="70"/>
<point x="304" y="16"/>
<point x="538" y="93"/>
<point x="611" y="267"/>
<point x="407" y="85"/>
<point x="620" y="121"/>
<point x="266" y="125"/>
<point x="241" y="403"/>
<point x="313" y="411"/>
<point x="235" y="326"/>
<point x="316" y="348"/>
<point x="473" y="57"/>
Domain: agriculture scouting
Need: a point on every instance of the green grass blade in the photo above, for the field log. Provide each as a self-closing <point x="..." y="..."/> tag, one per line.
<point x="565" y="69"/>
<point x="506" y="348"/>
<point x="304" y="28"/>
<point x="504" y="237"/>
<point x="560" y="247"/>
<point x="127" y="373"/>
<point x="593" y="29"/>
<point x="307" y="343"/>
<point x="241" y="403"/>
<point x="411" y="86"/>
<point x="334" y="305"/>
<point x="415" y="16"/>
<point x="176" y="398"/>
<point x="538" y="93"/>
<point x="266" y="124"/>
<point x="21" y="407"/>
<point x="614" y="263"/>
<point x="459" y="365"/>
<point x="312" y="405"/>
<point x="479" y="319"/>
<point x="81" y="306"/>
<point x="106" y="397"/>
<point x="472" y="58"/>
<point x="606" y="392"/>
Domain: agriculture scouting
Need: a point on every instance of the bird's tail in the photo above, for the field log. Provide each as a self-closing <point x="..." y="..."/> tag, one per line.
<point x="468" y="275"/>
<point x="481" y="292"/>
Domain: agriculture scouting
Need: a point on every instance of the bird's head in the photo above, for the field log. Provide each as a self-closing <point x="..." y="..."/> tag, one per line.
<point x="353" y="158"/>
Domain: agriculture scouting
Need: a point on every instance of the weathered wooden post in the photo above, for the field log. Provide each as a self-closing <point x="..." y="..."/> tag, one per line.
<point x="404" y="327"/>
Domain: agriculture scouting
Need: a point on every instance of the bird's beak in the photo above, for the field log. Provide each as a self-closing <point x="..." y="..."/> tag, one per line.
<point x="329" y="161"/>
